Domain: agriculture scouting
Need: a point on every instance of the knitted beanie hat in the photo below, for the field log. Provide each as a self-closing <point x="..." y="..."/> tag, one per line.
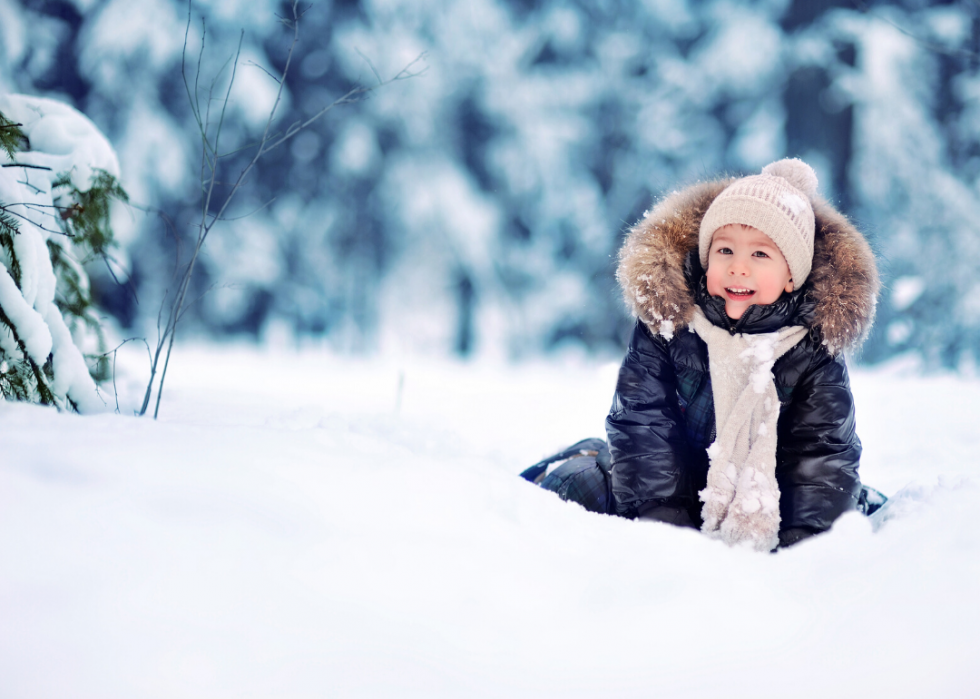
<point x="778" y="203"/>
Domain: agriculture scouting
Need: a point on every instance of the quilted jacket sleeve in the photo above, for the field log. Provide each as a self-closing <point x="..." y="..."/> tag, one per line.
<point x="818" y="449"/>
<point x="646" y="431"/>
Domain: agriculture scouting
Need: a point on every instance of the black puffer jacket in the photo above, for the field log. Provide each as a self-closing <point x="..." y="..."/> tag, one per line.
<point x="662" y="418"/>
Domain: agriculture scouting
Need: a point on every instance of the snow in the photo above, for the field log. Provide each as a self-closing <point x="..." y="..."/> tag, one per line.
<point x="255" y="91"/>
<point x="301" y="525"/>
<point x="29" y="323"/>
<point x="356" y="149"/>
<point x="899" y="331"/>
<point x="761" y="138"/>
<point x="115" y="34"/>
<point x="760" y="356"/>
<point x="62" y="140"/>
<point x="741" y="53"/>
<point x="794" y="202"/>
<point x="905" y="291"/>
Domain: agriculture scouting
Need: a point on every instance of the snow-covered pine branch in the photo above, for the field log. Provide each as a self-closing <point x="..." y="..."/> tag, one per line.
<point x="58" y="176"/>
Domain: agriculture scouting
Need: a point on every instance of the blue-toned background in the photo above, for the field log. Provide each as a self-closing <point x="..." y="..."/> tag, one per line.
<point x="477" y="208"/>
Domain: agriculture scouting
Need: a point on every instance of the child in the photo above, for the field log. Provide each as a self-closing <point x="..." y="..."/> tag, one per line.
<point x="733" y="412"/>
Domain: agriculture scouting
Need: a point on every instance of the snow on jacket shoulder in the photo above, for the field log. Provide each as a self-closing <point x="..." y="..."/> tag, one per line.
<point x="662" y="418"/>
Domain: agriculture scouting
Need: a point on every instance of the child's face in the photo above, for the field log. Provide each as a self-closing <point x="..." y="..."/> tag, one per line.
<point x="746" y="268"/>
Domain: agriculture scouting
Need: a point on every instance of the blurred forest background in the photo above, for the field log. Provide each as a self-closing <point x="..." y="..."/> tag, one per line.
<point x="477" y="208"/>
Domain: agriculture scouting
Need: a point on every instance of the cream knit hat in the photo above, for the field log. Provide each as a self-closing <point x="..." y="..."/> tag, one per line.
<point x="778" y="203"/>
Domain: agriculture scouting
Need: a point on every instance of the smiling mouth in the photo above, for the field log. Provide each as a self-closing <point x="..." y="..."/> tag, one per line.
<point x="738" y="293"/>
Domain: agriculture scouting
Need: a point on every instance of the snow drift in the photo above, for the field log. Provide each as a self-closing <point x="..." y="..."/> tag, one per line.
<point x="357" y="529"/>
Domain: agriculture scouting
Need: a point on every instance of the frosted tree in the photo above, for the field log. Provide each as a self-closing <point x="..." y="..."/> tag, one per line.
<point x="915" y="176"/>
<point x="57" y="180"/>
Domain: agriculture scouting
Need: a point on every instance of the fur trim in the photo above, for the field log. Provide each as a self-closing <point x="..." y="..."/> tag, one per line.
<point x="844" y="277"/>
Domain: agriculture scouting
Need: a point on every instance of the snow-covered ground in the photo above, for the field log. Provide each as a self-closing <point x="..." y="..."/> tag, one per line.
<point x="301" y="525"/>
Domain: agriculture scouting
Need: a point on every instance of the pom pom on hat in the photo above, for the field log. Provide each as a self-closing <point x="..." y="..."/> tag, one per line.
<point x="796" y="172"/>
<point x="777" y="202"/>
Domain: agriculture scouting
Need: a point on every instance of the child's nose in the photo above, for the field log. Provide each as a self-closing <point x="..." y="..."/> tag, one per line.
<point x="738" y="268"/>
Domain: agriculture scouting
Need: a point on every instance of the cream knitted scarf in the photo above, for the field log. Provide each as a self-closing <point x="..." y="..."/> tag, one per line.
<point x="741" y="501"/>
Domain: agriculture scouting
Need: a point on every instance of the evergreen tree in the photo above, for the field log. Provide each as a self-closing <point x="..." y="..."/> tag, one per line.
<point x="49" y="228"/>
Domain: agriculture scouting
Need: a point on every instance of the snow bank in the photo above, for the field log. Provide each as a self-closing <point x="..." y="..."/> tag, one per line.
<point x="357" y="529"/>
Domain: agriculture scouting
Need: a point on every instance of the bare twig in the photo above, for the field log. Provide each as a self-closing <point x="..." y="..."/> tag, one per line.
<point x="171" y="229"/>
<point x="203" y="230"/>
<point x="41" y="207"/>
<point x="25" y="165"/>
<point x="250" y="213"/>
<point x="212" y="210"/>
<point x="37" y="190"/>
<point x="54" y="231"/>
<point x="367" y="60"/>
<point x="113" y="353"/>
<point x="192" y="97"/>
<point x="128" y="284"/>
<point x="200" y="297"/>
<point x="256" y="65"/>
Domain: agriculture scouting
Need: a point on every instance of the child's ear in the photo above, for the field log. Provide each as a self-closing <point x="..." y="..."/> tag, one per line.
<point x="789" y="287"/>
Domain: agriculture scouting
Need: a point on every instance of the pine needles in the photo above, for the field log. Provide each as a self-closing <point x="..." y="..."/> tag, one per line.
<point x="11" y="136"/>
<point x="81" y="219"/>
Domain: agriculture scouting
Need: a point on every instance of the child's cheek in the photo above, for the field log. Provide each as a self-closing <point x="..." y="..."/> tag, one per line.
<point x="714" y="285"/>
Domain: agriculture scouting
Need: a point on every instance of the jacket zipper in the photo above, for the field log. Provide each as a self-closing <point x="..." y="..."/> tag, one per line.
<point x="733" y="329"/>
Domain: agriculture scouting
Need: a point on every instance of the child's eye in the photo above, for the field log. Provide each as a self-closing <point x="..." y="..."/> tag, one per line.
<point x="759" y="253"/>
<point x="723" y="251"/>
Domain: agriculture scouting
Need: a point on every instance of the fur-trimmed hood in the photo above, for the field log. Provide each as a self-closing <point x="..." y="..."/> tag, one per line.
<point x="843" y="283"/>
